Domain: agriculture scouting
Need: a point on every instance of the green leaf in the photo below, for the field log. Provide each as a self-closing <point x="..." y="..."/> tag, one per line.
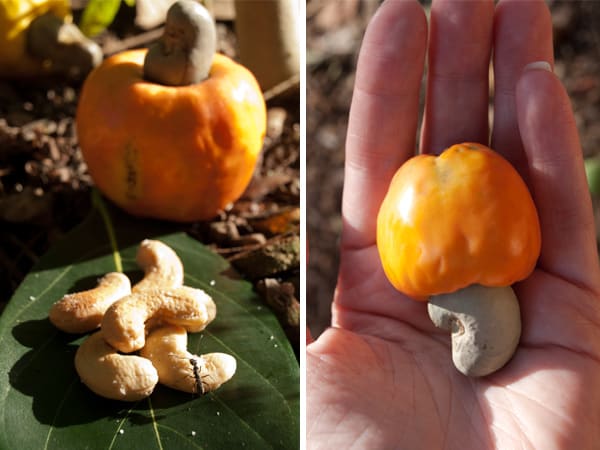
<point x="43" y="405"/>
<point x="592" y="172"/>
<point x="130" y="3"/>
<point x="98" y="15"/>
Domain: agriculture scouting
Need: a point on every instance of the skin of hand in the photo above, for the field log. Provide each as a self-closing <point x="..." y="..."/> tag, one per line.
<point x="382" y="377"/>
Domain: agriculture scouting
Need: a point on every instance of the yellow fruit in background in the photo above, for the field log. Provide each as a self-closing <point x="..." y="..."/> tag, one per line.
<point x="38" y="38"/>
<point x="15" y="18"/>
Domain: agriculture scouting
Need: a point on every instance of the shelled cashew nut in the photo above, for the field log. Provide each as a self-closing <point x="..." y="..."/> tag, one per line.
<point x="179" y="369"/>
<point x="81" y="312"/>
<point x="125" y="316"/>
<point x="162" y="267"/>
<point x="111" y="375"/>
<point x="124" y="323"/>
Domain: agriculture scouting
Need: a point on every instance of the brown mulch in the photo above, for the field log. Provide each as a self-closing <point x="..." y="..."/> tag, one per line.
<point x="334" y="33"/>
<point x="45" y="186"/>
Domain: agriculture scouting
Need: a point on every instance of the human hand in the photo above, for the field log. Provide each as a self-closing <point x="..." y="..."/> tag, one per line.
<point x="382" y="377"/>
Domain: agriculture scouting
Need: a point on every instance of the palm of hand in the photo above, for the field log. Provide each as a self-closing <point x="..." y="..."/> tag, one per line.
<point x="396" y="387"/>
<point x="383" y="377"/>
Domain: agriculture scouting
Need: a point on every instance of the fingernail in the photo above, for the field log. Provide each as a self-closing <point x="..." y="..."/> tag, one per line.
<point x="538" y="65"/>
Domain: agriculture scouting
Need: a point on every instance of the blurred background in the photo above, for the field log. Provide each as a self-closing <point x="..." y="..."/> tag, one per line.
<point x="334" y="32"/>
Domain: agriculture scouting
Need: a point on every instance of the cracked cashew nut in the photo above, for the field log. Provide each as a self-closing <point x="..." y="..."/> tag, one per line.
<point x="179" y="369"/>
<point x="81" y="312"/>
<point x="124" y="323"/>
<point x="162" y="267"/>
<point x="112" y="375"/>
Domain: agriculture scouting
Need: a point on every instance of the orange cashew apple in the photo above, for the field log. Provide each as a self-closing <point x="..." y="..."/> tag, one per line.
<point x="166" y="135"/>
<point x="459" y="229"/>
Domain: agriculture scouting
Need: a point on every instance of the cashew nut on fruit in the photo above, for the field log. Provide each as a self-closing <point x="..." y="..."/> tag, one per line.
<point x="62" y="46"/>
<point x="183" y="55"/>
<point x="82" y="311"/>
<point x="124" y="323"/>
<point x="162" y="267"/>
<point x="485" y="325"/>
<point x="179" y="369"/>
<point x="111" y="375"/>
<point x="461" y="228"/>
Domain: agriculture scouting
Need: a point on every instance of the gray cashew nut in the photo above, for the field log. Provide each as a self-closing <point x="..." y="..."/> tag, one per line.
<point x="485" y="325"/>
<point x="62" y="46"/>
<point x="183" y="55"/>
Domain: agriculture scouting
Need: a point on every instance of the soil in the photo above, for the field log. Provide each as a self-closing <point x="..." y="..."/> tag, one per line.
<point x="334" y="33"/>
<point x="45" y="186"/>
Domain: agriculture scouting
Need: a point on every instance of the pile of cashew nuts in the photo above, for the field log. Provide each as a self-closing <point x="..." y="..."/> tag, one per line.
<point x="153" y="318"/>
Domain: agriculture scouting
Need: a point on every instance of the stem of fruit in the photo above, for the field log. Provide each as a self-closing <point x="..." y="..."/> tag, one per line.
<point x="183" y="54"/>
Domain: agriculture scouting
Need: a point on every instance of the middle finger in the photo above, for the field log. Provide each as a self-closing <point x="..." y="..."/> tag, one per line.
<point x="456" y="106"/>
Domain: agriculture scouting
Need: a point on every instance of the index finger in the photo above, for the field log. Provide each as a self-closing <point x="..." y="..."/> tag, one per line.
<point x="384" y="113"/>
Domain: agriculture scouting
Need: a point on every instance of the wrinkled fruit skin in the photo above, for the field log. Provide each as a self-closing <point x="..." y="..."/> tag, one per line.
<point x="15" y="17"/>
<point x="457" y="219"/>
<point x="176" y="153"/>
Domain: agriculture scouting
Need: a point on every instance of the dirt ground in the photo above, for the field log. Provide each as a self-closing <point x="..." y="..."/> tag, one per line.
<point x="334" y="33"/>
<point x="45" y="186"/>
